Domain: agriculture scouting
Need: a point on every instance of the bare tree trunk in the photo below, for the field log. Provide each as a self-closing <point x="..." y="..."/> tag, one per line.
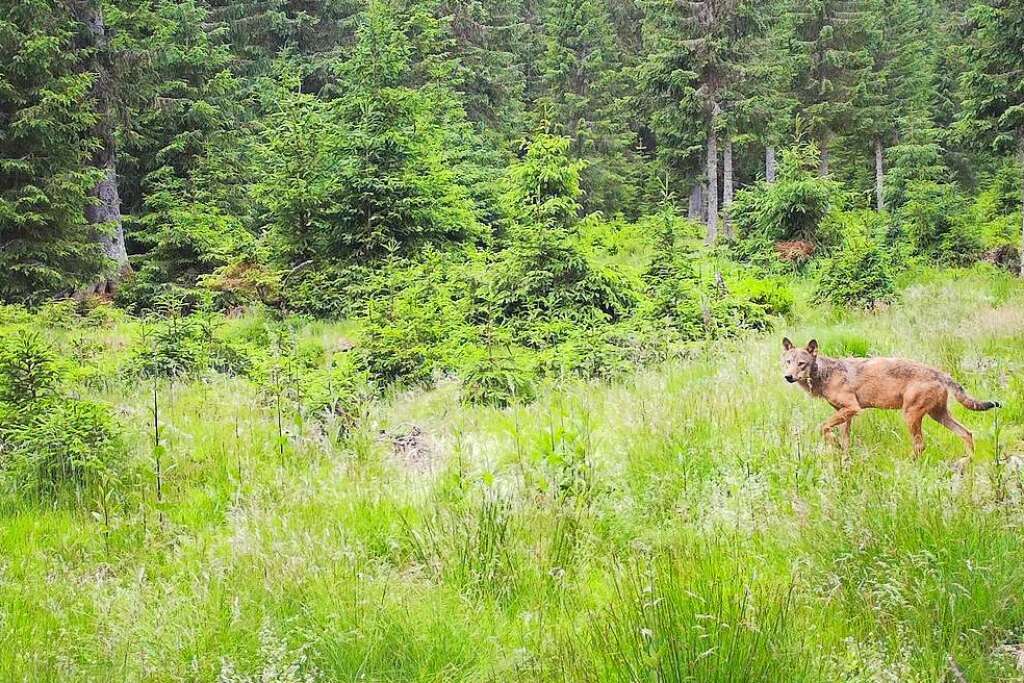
<point x="712" y="173"/>
<point x="105" y="214"/>
<point x="695" y="211"/>
<point x="823" y="163"/>
<point x="879" y="176"/>
<point x="1021" y="157"/>
<point x="727" y="187"/>
<point x="769" y="163"/>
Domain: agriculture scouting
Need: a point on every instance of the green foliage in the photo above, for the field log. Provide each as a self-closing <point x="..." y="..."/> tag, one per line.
<point x="191" y="243"/>
<point x="373" y="172"/>
<point x="46" y="121"/>
<point x="173" y="346"/>
<point x="545" y="272"/>
<point x="61" y="444"/>
<point x="994" y="91"/>
<point x="340" y="390"/>
<point x="417" y="320"/>
<point x="673" y="287"/>
<point x="584" y="84"/>
<point x="859" y="273"/>
<point x="792" y="208"/>
<point x="51" y="442"/>
<point x="498" y="377"/>
<point x="934" y="218"/>
<point x="832" y="64"/>
<point x="773" y="295"/>
<point x="28" y="369"/>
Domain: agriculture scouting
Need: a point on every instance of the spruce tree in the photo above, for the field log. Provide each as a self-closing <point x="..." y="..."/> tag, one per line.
<point x="696" y="60"/>
<point x="831" y="66"/>
<point x="901" y="87"/>
<point x="584" y="87"/>
<point x="47" y="178"/>
<point x="994" y="81"/>
<point x="104" y="212"/>
<point x="373" y="172"/>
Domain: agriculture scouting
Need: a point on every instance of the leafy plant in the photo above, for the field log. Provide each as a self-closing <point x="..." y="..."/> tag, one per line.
<point x="51" y="442"/>
<point x="858" y="274"/>
<point x="791" y="208"/>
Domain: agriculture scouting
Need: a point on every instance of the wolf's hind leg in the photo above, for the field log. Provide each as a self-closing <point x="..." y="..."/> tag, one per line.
<point x="942" y="416"/>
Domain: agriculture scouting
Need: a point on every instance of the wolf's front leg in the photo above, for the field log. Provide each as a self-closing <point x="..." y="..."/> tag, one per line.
<point x="845" y="434"/>
<point x="842" y="416"/>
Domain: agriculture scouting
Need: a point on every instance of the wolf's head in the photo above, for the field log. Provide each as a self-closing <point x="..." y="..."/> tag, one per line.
<point x="797" y="363"/>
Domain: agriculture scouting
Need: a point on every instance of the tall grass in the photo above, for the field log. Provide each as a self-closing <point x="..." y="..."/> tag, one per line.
<point x="684" y="525"/>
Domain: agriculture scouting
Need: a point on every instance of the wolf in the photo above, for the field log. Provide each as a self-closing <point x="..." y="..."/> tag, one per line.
<point x="852" y="384"/>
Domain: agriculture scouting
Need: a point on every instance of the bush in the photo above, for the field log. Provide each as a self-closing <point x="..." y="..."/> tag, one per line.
<point x="341" y="390"/>
<point x="773" y="295"/>
<point x="417" y="319"/>
<point x="61" y="444"/>
<point x="174" y="346"/>
<point x="51" y="442"/>
<point x="28" y="369"/>
<point x="859" y="274"/>
<point x="937" y="223"/>
<point x="498" y="377"/>
<point x="242" y="283"/>
<point x="331" y="291"/>
<point x="549" y="276"/>
<point x="791" y="208"/>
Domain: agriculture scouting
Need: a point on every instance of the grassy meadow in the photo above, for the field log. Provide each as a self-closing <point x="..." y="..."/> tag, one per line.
<point x="686" y="524"/>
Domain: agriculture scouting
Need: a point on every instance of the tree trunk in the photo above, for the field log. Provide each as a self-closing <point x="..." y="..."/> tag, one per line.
<point x="1021" y="157"/>
<point x="769" y="163"/>
<point x="823" y="163"/>
<point x="727" y="188"/>
<point x="712" y="173"/>
<point x="695" y="211"/>
<point x="105" y="214"/>
<point x="879" y="176"/>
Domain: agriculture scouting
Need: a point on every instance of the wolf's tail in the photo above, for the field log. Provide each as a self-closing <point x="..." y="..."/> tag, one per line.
<point x="969" y="401"/>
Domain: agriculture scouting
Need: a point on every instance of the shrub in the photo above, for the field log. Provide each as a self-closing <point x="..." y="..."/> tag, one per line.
<point x="496" y="377"/>
<point x="28" y="369"/>
<point x="241" y="283"/>
<point x="791" y="208"/>
<point x="61" y="444"/>
<point x="417" y="318"/>
<point x="49" y="441"/>
<point x="174" y="346"/>
<point x="936" y="223"/>
<point x="184" y="242"/>
<point x="331" y="291"/>
<point x="859" y="274"/>
<point x="549" y="276"/>
<point x="773" y="295"/>
<point x="341" y="389"/>
<point x="672" y="287"/>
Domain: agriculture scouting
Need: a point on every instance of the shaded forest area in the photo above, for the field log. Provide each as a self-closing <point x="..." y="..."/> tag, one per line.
<point x="223" y="144"/>
<point x="503" y="191"/>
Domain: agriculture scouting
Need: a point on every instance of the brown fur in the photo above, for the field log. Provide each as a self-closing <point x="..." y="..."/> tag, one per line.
<point x="852" y="384"/>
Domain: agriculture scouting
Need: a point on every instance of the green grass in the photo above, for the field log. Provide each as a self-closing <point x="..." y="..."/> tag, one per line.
<point x="685" y="525"/>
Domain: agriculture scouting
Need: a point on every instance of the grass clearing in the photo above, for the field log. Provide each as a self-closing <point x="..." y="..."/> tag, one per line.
<point x="684" y="525"/>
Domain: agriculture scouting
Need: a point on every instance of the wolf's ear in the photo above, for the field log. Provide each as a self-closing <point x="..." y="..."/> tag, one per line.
<point x="786" y="344"/>
<point x="812" y="346"/>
